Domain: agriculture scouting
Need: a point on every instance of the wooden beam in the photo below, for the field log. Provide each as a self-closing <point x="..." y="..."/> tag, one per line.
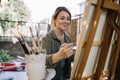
<point x="116" y="28"/>
<point x="111" y="5"/>
<point x="105" y="46"/>
<point x="115" y="58"/>
<point x="108" y="5"/>
<point x="98" y="43"/>
<point x="93" y="26"/>
<point x="81" y="39"/>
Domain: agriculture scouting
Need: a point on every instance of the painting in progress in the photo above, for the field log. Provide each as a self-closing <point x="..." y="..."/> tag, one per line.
<point x="98" y="44"/>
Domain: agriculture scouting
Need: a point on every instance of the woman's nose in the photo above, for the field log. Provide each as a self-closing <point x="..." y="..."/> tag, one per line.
<point x="66" y="21"/>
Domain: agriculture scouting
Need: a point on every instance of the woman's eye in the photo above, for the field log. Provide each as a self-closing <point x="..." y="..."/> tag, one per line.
<point x="68" y="18"/>
<point x="62" y="18"/>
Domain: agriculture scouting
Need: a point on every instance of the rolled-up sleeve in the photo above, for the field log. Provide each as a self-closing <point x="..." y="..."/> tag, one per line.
<point x="47" y="44"/>
<point x="49" y="62"/>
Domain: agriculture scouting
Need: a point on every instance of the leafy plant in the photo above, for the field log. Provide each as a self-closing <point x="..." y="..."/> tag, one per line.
<point x="4" y="56"/>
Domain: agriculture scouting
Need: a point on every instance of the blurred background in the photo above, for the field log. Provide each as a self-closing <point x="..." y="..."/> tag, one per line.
<point x="21" y="14"/>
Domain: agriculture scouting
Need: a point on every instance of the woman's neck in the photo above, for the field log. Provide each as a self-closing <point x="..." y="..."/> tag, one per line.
<point x="58" y="32"/>
<point x="60" y="35"/>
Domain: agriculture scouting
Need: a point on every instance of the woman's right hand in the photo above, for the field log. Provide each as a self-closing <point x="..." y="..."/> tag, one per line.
<point x="65" y="51"/>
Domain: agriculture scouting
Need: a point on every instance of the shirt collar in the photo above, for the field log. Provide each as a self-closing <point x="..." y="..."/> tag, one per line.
<point x="55" y="37"/>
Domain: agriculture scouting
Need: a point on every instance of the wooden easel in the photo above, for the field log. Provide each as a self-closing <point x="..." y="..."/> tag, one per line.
<point x="111" y="24"/>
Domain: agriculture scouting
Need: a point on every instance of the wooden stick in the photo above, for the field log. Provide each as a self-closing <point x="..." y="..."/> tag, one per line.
<point x="111" y="5"/>
<point x="115" y="59"/>
<point x="116" y="28"/>
<point x="116" y="52"/>
<point x="98" y="43"/>
<point x="105" y="46"/>
<point x="93" y="27"/>
<point x="80" y="42"/>
<point x="38" y="38"/>
<point x="33" y="40"/>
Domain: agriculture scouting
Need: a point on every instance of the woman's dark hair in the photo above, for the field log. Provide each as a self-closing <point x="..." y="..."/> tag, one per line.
<point x="59" y="9"/>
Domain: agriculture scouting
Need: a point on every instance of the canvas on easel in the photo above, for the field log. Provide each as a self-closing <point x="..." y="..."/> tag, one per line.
<point x="94" y="44"/>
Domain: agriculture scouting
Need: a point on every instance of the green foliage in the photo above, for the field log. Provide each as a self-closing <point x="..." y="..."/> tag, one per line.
<point x="15" y="12"/>
<point x="6" y="17"/>
<point x="4" y="56"/>
<point x="20" y="10"/>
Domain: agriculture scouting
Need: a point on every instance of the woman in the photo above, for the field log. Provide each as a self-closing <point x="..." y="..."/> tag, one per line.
<point x="58" y="46"/>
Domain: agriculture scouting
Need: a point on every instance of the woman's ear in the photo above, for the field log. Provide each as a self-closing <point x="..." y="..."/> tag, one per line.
<point x="52" y="22"/>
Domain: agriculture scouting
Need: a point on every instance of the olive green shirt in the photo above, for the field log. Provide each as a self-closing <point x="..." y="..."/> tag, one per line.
<point x="52" y="45"/>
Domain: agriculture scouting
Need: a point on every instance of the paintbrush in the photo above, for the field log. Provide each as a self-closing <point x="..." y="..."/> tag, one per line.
<point x="33" y="40"/>
<point x="38" y="38"/>
<point x="24" y="45"/>
<point x="21" y="40"/>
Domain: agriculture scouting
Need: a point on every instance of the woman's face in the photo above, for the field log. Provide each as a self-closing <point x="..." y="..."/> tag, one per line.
<point x="62" y="21"/>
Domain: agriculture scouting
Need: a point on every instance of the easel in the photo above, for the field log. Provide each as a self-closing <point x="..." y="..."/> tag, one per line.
<point x="86" y="40"/>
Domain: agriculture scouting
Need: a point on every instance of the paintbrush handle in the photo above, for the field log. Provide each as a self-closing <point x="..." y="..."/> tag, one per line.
<point x="33" y="42"/>
<point x="24" y="46"/>
<point x="39" y="45"/>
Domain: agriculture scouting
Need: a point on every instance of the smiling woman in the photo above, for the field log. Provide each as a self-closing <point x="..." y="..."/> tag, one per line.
<point x="59" y="58"/>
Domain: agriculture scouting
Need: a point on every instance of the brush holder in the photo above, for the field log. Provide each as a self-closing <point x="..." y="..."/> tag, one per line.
<point x="36" y="68"/>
